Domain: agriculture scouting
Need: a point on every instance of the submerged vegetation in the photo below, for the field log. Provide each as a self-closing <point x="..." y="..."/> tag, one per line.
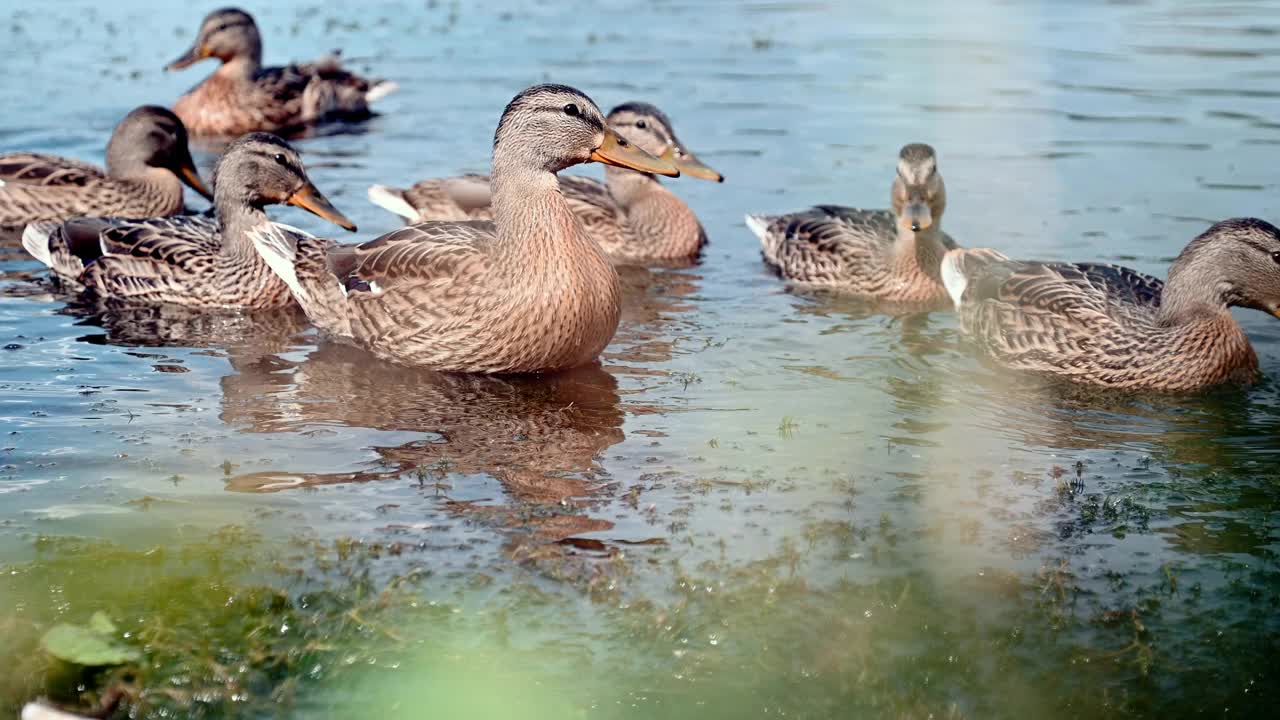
<point x="842" y="616"/>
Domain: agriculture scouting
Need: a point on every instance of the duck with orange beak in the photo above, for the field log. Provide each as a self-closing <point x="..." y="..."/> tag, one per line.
<point x="531" y="291"/>
<point x="191" y="261"/>
<point x="147" y="162"/>
<point x="634" y="217"/>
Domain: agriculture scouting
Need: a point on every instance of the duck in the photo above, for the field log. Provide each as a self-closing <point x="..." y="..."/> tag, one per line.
<point x="1108" y="326"/>
<point x="632" y="215"/>
<point x="190" y="261"/>
<point x="528" y="292"/>
<point x="147" y="162"/>
<point x="242" y="96"/>
<point x="889" y="256"/>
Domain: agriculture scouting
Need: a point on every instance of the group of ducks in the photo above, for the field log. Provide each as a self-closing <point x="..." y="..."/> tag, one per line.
<point x="514" y="272"/>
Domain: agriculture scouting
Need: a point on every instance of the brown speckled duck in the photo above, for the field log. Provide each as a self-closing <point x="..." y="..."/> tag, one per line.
<point x="147" y="162"/>
<point x="241" y="96"/>
<point x="1112" y="327"/>
<point x="191" y="261"/>
<point x="632" y="215"/>
<point x="882" y="255"/>
<point x="530" y="291"/>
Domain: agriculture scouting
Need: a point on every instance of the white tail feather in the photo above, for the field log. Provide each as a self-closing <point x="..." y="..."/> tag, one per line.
<point x="279" y="249"/>
<point x="758" y="224"/>
<point x="380" y="90"/>
<point x="953" y="277"/>
<point x="389" y="198"/>
<point x="35" y="238"/>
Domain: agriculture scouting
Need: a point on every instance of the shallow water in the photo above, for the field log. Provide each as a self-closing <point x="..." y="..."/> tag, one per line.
<point x="763" y="502"/>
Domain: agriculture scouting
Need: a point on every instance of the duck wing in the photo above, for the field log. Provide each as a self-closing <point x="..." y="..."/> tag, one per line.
<point x="40" y="169"/>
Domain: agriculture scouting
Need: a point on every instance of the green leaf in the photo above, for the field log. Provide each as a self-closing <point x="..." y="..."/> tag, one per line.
<point x="102" y="624"/>
<point x="86" y="646"/>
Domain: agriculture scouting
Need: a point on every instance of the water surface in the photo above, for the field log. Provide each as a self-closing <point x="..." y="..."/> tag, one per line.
<point x="762" y="502"/>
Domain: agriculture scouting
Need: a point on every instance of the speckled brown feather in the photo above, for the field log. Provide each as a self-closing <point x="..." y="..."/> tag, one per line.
<point x="652" y="225"/>
<point x="531" y="292"/>
<point x="1100" y="324"/>
<point x="858" y="252"/>
<point x="280" y="99"/>
<point x="242" y="96"/>
<point x="146" y="150"/>
<point x="189" y="261"/>
<point x="158" y="194"/>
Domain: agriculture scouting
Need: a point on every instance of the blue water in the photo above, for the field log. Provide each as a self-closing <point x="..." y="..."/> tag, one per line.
<point x="764" y="501"/>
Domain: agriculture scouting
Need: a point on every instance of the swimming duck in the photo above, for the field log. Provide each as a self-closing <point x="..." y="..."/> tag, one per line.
<point x="241" y="96"/>
<point x="883" y="255"/>
<point x="1110" y="326"/>
<point x="147" y="162"/>
<point x="191" y="261"/>
<point x="632" y="215"/>
<point x="530" y="291"/>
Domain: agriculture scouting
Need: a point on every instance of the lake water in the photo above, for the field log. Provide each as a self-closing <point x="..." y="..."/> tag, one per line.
<point x="763" y="503"/>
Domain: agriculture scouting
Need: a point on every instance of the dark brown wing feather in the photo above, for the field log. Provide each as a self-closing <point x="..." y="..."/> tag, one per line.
<point x="38" y="169"/>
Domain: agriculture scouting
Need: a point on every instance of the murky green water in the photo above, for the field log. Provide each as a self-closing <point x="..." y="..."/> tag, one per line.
<point x="763" y="503"/>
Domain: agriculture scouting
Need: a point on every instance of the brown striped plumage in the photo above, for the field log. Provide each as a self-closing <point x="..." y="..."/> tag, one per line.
<point x="190" y="261"/>
<point x="1113" y="327"/>
<point x="241" y="96"/>
<point x="528" y="292"/>
<point x="883" y="255"/>
<point x="147" y="162"/>
<point x="632" y="215"/>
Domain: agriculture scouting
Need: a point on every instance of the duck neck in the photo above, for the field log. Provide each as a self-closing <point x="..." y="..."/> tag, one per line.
<point x="237" y="217"/>
<point x="628" y="187"/>
<point x="922" y="250"/>
<point x="663" y="224"/>
<point x="532" y="217"/>
<point x="1188" y="297"/>
<point x="241" y="67"/>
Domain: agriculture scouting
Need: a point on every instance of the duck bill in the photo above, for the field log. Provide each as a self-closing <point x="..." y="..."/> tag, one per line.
<point x="187" y="171"/>
<point x="690" y="165"/>
<point x="313" y="201"/>
<point x="192" y="56"/>
<point x="918" y="216"/>
<point x="616" y="151"/>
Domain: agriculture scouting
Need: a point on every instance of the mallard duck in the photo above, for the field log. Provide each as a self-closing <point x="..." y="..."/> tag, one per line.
<point x="191" y="260"/>
<point x="1110" y="326"/>
<point x="883" y="255"/>
<point x="631" y="215"/>
<point x="147" y="162"/>
<point x="241" y="96"/>
<point x="528" y="292"/>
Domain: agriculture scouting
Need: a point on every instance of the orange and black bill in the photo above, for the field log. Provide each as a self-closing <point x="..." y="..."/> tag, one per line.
<point x="313" y="201"/>
<point x="617" y="151"/>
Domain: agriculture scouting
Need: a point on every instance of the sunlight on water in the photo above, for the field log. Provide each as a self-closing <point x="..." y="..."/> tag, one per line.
<point x="762" y="502"/>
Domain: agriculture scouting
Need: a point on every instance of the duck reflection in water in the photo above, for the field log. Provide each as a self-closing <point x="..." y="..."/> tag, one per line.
<point x="538" y="436"/>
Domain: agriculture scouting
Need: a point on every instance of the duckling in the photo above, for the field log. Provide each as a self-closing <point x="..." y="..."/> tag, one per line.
<point x="632" y="215"/>
<point x="882" y="255"/>
<point x="530" y="291"/>
<point x="1112" y="327"/>
<point x="241" y="96"/>
<point x="147" y="162"/>
<point x="191" y="261"/>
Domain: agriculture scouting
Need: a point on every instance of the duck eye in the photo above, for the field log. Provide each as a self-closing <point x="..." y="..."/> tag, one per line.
<point x="642" y="124"/>
<point x="280" y="159"/>
<point x="571" y="110"/>
<point x="1276" y="256"/>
